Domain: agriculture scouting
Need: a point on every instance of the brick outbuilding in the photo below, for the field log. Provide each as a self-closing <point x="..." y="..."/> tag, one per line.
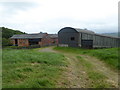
<point x="41" y="39"/>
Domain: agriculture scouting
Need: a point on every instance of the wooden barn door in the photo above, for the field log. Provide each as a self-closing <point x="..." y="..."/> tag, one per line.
<point x="87" y="44"/>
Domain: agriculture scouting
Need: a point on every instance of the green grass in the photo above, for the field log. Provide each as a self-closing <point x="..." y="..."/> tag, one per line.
<point x="85" y="63"/>
<point x="97" y="79"/>
<point x="0" y="68"/>
<point x="31" y="69"/>
<point x="108" y="55"/>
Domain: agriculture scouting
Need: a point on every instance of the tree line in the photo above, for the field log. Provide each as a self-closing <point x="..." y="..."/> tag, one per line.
<point x="7" y="33"/>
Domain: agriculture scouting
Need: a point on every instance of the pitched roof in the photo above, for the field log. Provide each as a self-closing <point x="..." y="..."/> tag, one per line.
<point x="53" y="35"/>
<point x="28" y="36"/>
<point x="32" y="36"/>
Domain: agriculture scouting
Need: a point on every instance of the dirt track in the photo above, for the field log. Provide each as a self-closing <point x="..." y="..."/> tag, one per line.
<point x="75" y="75"/>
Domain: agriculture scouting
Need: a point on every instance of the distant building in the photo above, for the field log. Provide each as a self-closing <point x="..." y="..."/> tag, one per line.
<point x="74" y="37"/>
<point x="42" y="39"/>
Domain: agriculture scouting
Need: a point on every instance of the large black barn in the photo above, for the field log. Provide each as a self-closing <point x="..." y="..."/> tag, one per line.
<point x="74" y="37"/>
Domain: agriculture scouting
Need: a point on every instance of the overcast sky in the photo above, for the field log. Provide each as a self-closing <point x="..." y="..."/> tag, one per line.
<point x="34" y="16"/>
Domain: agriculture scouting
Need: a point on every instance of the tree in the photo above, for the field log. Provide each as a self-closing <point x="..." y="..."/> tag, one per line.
<point x="5" y="42"/>
<point x="7" y="33"/>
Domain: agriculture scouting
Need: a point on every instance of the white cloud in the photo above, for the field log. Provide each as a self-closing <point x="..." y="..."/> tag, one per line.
<point x="51" y="15"/>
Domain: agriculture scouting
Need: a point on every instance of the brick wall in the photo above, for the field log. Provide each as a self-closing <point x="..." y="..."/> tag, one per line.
<point x="54" y="41"/>
<point x="45" y="41"/>
<point x="23" y="42"/>
<point x="48" y="41"/>
<point x="12" y="41"/>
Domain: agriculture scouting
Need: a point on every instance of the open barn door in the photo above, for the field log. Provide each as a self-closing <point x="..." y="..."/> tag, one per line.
<point x="34" y="41"/>
<point x="87" y="44"/>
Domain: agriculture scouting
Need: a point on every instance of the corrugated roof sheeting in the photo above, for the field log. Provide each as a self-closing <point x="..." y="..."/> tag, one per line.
<point x="53" y="35"/>
<point x="91" y="32"/>
<point x="84" y="30"/>
<point x="33" y="36"/>
<point x="28" y="36"/>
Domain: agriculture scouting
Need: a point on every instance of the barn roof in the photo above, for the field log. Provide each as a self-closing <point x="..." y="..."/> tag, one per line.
<point x="32" y="36"/>
<point x="88" y="31"/>
<point x="53" y="35"/>
<point x="107" y="36"/>
<point x="28" y="36"/>
<point x="79" y="30"/>
<point x="84" y="30"/>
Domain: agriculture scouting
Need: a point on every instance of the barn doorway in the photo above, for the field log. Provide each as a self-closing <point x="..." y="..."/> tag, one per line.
<point x="16" y="42"/>
<point x="87" y="44"/>
<point x="34" y="41"/>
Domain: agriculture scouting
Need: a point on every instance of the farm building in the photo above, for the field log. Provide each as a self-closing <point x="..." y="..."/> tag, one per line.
<point x="41" y="39"/>
<point x="74" y="37"/>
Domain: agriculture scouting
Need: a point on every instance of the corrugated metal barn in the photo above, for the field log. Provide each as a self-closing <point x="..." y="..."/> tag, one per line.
<point x="74" y="37"/>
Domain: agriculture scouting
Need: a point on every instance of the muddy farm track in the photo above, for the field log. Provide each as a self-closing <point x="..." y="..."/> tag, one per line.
<point x="78" y="73"/>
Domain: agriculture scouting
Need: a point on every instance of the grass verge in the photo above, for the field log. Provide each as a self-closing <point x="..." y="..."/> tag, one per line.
<point x="108" y="55"/>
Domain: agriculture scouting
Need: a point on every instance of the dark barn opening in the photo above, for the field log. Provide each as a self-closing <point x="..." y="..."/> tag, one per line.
<point x="34" y="41"/>
<point x="87" y="44"/>
<point x="72" y="38"/>
<point x="16" y="42"/>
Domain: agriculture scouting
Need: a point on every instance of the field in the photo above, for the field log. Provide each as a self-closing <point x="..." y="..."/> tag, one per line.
<point x="0" y="68"/>
<point x="54" y="67"/>
<point x="31" y="69"/>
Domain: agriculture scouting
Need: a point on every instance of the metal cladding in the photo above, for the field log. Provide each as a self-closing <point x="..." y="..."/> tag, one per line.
<point x="74" y="37"/>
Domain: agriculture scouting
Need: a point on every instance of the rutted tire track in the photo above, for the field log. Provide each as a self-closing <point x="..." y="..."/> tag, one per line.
<point x="102" y="67"/>
<point x="75" y="76"/>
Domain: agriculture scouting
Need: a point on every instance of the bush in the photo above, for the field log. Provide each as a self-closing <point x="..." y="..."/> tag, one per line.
<point x="6" y="42"/>
<point x="6" y="34"/>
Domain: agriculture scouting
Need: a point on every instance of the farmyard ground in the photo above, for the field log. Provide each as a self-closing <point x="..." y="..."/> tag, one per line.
<point x="58" y="67"/>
